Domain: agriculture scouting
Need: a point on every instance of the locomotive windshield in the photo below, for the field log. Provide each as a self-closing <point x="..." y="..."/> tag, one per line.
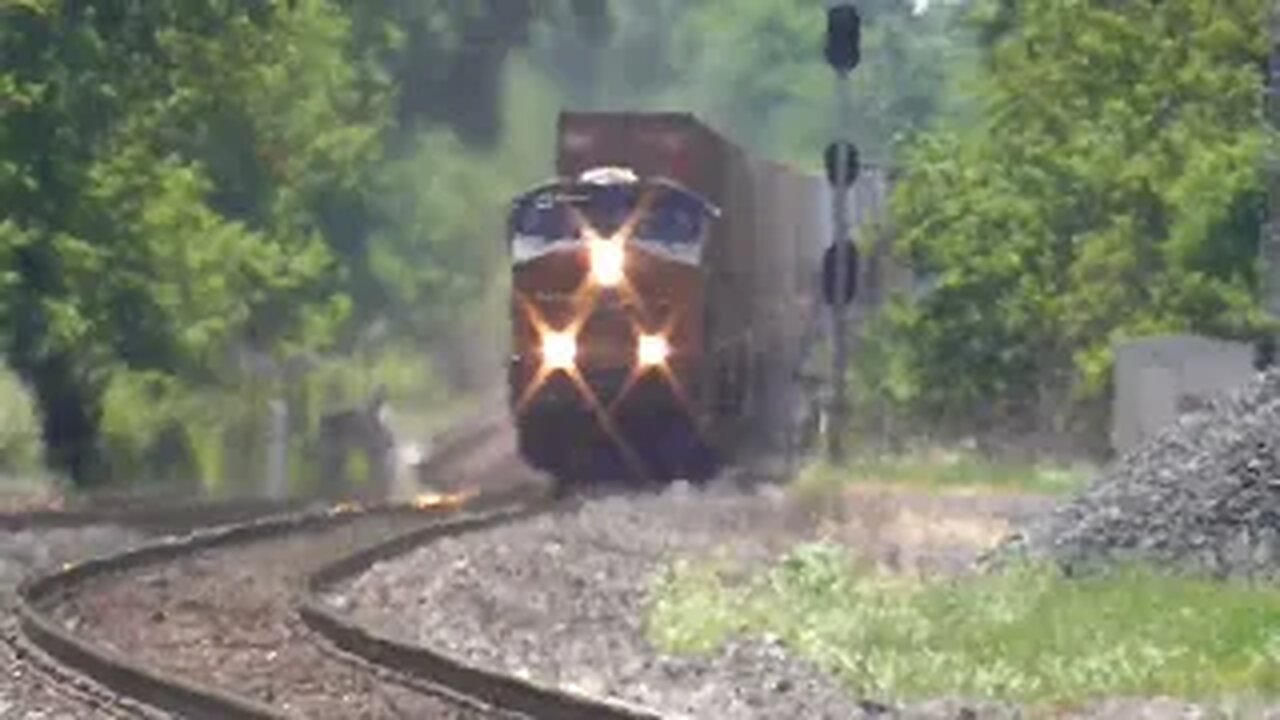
<point x="556" y="213"/>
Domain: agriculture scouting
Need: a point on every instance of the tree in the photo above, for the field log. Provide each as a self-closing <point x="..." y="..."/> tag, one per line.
<point x="1111" y="190"/>
<point x="161" y="165"/>
<point x="754" y="70"/>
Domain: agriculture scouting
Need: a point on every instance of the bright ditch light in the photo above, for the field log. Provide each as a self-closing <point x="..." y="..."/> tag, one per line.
<point x="653" y="350"/>
<point x="430" y="500"/>
<point x="559" y="350"/>
<point x="607" y="260"/>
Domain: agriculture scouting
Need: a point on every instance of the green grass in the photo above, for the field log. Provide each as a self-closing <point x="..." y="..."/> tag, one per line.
<point x="939" y="469"/>
<point x="1026" y="635"/>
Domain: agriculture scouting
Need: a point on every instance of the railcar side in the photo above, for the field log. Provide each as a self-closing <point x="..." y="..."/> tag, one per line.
<point x="765" y="298"/>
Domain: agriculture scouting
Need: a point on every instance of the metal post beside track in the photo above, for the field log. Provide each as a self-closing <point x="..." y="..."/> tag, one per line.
<point x="278" y="450"/>
<point x="843" y="52"/>
<point x="839" y="310"/>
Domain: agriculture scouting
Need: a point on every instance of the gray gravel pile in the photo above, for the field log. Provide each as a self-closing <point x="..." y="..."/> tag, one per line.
<point x="1204" y="495"/>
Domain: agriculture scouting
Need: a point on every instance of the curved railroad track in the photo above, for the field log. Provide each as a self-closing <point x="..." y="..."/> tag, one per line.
<point x="153" y="518"/>
<point x="48" y="534"/>
<point x="227" y="622"/>
<point x="514" y="694"/>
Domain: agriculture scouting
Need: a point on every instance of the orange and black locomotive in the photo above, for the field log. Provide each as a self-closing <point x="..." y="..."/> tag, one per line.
<point x="605" y="267"/>
<point x="660" y="285"/>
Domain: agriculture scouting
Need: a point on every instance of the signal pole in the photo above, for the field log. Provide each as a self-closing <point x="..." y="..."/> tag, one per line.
<point x="839" y="314"/>
<point x="844" y="26"/>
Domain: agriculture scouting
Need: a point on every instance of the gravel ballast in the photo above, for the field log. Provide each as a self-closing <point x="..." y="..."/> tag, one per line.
<point x="226" y="617"/>
<point x="1203" y="495"/>
<point x="25" y="693"/>
<point x="561" y="599"/>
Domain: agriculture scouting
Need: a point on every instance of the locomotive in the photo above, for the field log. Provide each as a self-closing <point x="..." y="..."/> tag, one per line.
<point x="663" y="296"/>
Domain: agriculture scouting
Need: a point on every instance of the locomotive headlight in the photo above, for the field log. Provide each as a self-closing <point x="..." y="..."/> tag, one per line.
<point x="559" y="350"/>
<point x="653" y="350"/>
<point x="607" y="260"/>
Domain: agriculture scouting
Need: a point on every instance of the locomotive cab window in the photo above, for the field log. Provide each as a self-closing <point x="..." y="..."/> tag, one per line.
<point x="540" y="216"/>
<point x="675" y="218"/>
<point x="655" y="212"/>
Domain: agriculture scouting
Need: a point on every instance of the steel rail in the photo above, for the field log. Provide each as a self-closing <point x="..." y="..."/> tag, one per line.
<point x="210" y="525"/>
<point x="436" y="667"/>
<point x="39" y="594"/>
<point x="151" y="516"/>
<point x="67" y="684"/>
<point x="165" y="517"/>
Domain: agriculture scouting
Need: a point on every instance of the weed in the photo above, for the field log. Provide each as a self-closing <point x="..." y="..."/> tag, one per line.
<point x="1024" y="635"/>
<point x="942" y="469"/>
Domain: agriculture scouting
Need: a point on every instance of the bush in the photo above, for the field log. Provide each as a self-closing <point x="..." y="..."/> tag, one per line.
<point x="21" y="446"/>
<point x="157" y="430"/>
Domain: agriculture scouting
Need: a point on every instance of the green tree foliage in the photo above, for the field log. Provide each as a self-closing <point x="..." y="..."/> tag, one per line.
<point x="184" y="181"/>
<point x="181" y="181"/>
<point x="440" y="210"/>
<point x="786" y="88"/>
<point x="162" y="164"/>
<point x="755" y="69"/>
<point x="19" y="428"/>
<point x="447" y="58"/>
<point x="1110" y="190"/>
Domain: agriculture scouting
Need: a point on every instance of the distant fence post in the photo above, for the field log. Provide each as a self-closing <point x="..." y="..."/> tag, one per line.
<point x="278" y="450"/>
<point x="380" y="444"/>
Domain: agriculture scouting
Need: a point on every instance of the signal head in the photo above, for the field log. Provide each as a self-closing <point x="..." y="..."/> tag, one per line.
<point x="844" y="38"/>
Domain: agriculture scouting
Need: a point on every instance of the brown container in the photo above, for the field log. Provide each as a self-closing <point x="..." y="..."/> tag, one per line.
<point x="673" y="145"/>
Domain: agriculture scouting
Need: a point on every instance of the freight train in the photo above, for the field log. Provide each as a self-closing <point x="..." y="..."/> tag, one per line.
<point x="664" y="294"/>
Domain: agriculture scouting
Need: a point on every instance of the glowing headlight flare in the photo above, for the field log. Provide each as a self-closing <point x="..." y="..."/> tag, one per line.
<point x="607" y="260"/>
<point x="559" y="350"/>
<point x="653" y="350"/>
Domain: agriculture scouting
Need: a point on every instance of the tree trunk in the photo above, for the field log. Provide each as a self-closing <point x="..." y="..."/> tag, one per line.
<point x="71" y="413"/>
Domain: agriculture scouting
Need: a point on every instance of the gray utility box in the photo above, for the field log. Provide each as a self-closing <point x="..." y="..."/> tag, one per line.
<point x="1159" y="378"/>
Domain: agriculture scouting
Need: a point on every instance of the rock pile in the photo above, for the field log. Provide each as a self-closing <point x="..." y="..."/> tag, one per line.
<point x="1203" y="495"/>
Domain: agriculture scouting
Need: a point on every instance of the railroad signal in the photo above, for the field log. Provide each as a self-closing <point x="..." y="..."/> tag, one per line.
<point x="832" y="157"/>
<point x="844" y="38"/>
<point x="840" y="262"/>
<point x="829" y="258"/>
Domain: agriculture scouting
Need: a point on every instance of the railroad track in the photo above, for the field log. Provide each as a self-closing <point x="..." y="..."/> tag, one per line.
<point x="153" y="518"/>
<point x="228" y="623"/>
<point x="493" y="689"/>
<point x="48" y="684"/>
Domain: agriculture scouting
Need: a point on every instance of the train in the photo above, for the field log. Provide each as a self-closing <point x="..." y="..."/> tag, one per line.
<point x="664" y="296"/>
